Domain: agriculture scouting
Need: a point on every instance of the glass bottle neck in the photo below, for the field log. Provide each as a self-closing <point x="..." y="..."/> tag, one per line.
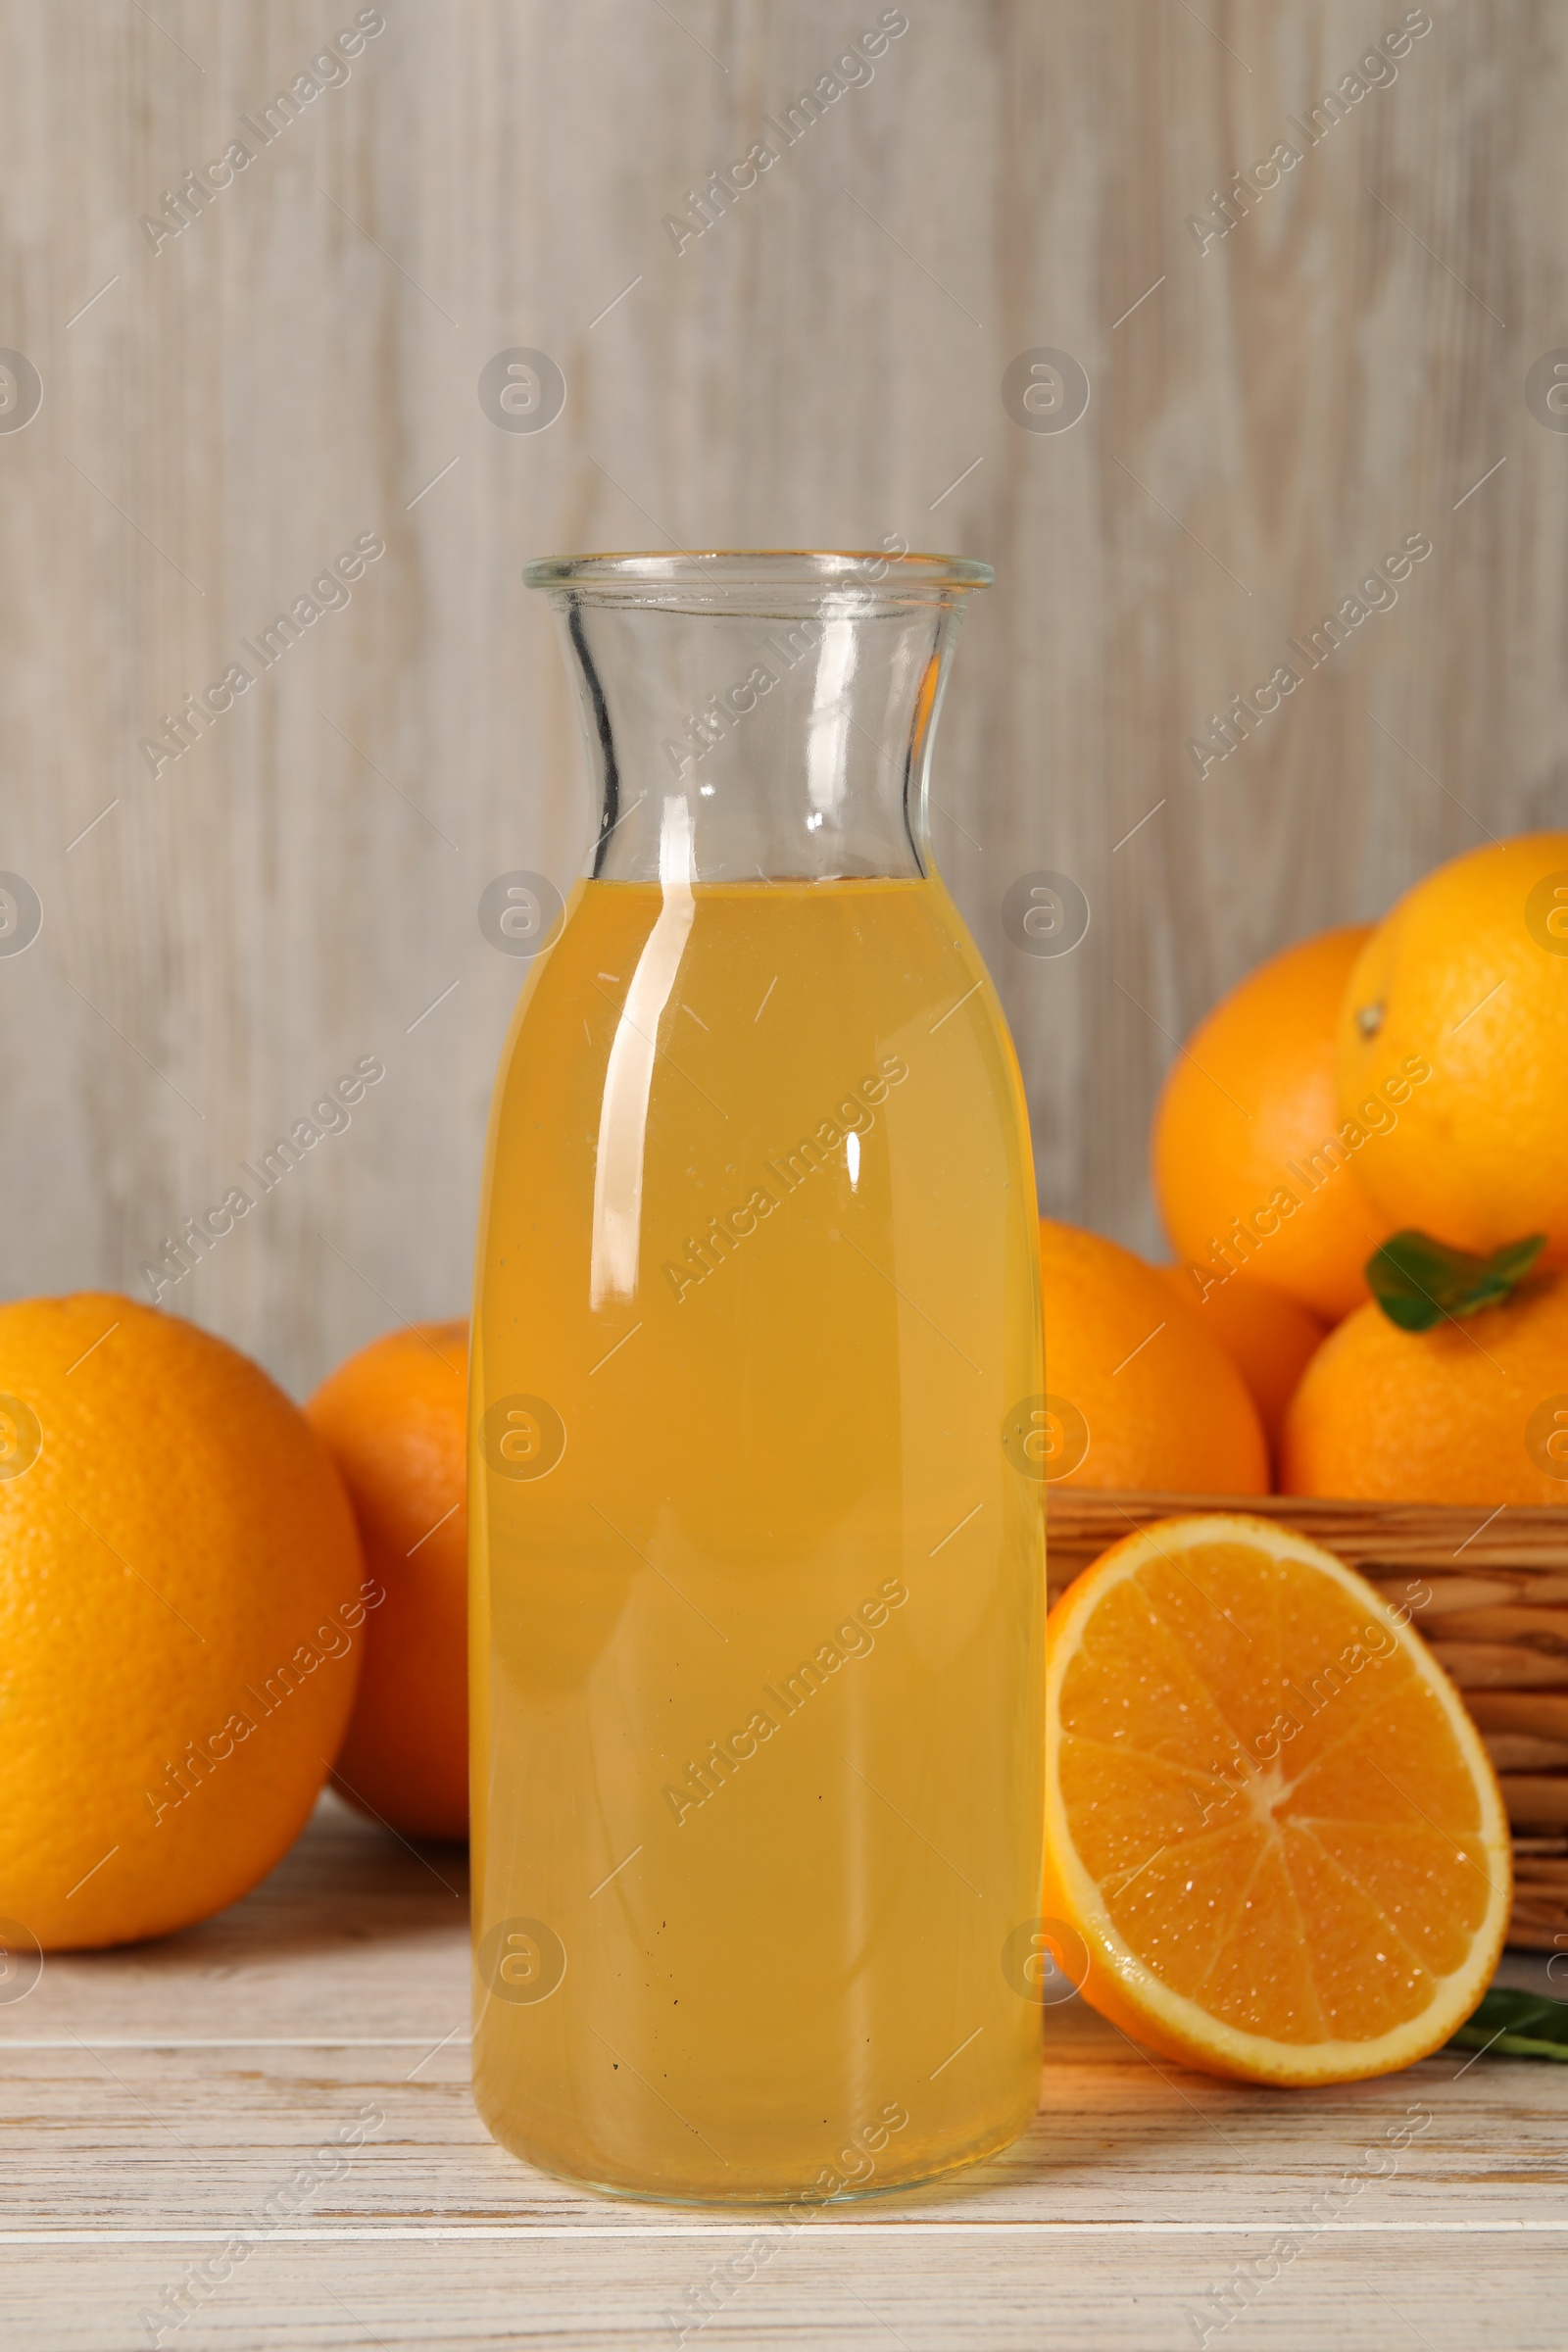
<point x="759" y="718"/>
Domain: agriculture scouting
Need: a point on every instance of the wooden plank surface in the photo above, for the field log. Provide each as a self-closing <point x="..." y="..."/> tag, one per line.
<point x="1269" y="416"/>
<point x="155" y="2106"/>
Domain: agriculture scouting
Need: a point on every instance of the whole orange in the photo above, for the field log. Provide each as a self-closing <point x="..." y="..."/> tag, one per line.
<point x="1268" y="1336"/>
<point x="393" y="1418"/>
<point x="180" y="1609"/>
<point x="1254" y="1167"/>
<point x="1473" y="1411"/>
<point x="1467" y="981"/>
<point x="1138" y="1395"/>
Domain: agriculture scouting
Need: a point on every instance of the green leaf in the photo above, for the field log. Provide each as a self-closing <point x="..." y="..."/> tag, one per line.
<point x="1418" y="1282"/>
<point x="1516" y="2024"/>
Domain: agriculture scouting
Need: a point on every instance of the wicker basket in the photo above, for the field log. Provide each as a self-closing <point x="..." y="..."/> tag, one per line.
<point x="1493" y="1605"/>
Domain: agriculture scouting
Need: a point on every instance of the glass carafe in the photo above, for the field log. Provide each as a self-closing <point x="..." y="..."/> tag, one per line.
<point x="758" y="1584"/>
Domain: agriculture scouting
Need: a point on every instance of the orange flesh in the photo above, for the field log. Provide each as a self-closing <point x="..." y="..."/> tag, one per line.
<point x="1308" y="1884"/>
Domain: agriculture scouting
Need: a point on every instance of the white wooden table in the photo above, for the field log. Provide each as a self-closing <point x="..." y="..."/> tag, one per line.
<point x="158" y="2103"/>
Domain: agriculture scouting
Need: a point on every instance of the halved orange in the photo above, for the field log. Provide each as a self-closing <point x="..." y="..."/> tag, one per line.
<point x="1267" y="1814"/>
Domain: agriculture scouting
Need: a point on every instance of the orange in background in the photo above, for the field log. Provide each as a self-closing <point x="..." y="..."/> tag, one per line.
<point x="1138" y="1395"/>
<point x="1471" y="1411"/>
<point x="181" y="1621"/>
<point x="1467" y="979"/>
<point x="394" y="1419"/>
<point x="1253" y="1164"/>
<point x="1268" y="1336"/>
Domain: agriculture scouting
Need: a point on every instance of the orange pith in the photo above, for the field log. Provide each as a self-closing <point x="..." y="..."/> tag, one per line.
<point x="1268" y="1816"/>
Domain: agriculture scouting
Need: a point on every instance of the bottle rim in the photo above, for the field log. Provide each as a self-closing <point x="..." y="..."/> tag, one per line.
<point x="716" y="574"/>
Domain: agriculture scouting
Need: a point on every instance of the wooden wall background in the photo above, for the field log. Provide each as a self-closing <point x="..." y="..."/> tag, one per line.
<point x="302" y="362"/>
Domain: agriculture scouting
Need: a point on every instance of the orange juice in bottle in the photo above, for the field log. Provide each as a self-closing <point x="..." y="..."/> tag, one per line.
<point x="757" y="1559"/>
